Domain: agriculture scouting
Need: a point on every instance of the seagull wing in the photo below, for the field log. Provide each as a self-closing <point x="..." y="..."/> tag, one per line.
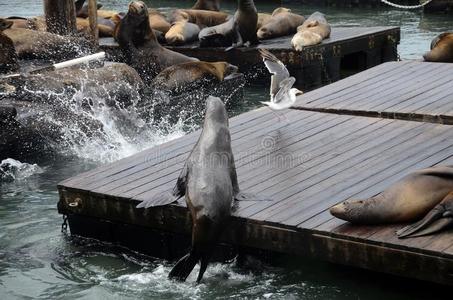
<point x="276" y="68"/>
<point x="282" y="95"/>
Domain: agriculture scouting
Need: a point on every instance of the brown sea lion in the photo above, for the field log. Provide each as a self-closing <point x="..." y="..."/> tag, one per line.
<point x="158" y="21"/>
<point x="312" y="32"/>
<point x="182" y="32"/>
<point x="407" y="200"/>
<point x="105" y="26"/>
<point x="209" y="183"/>
<point x="181" y="75"/>
<point x="8" y="56"/>
<point x="140" y="46"/>
<point x="40" y="44"/>
<point x="262" y="20"/>
<point x="203" y="18"/>
<point x="283" y="22"/>
<point x="213" y="5"/>
<point x="441" y="48"/>
<point x="236" y="32"/>
<point x="82" y="10"/>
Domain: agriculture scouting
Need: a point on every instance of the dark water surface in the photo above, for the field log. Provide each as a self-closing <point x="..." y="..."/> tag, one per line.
<point x="38" y="262"/>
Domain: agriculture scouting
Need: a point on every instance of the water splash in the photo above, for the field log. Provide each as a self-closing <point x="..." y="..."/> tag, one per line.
<point x="100" y="121"/>
<point x="11" y="170"/>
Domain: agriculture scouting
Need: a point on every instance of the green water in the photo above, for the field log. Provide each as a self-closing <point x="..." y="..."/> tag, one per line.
<point x="37" y="261"/>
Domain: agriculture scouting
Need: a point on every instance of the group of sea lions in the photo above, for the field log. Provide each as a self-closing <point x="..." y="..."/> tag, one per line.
<point x="206" y="23"/>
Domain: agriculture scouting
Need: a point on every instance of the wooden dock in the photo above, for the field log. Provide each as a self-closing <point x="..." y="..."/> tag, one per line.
<point x="305" y="166"/>
<point x="349" y="50"/>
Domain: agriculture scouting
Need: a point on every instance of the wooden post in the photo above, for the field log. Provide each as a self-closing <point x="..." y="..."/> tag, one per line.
<point x="93" y="18"/>
<point x="60" y="16"/>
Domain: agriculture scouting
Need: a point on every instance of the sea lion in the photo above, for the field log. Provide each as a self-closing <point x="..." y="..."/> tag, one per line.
<point x="441" y="48"/>
<point x="82" y="10"/>
<point x="203" y="18"/>
<point x="40" y="44"/>
<point x="209" y="183"/>
<point x="262" y="20"/>
<point x="158" y="21"/>
<point x="182" y="32"/>
<point x="213" y="5"/>
<point x="283" y="22"/>
<point x="181" y="75"/>
<point x="8" y="56"/>
<point x="311" y="32"/>
<point x="140" y="46"/>
<point x="407" y="200"/>
<point x="439" y="218"/>
<point x="236" y="32"/>
<point x="106" y="27"/>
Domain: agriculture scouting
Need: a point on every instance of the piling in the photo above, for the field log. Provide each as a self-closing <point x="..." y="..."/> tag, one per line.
<point x="60" y="16"/>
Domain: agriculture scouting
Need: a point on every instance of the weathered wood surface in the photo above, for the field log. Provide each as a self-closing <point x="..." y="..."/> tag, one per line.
<point x="305" y="165"/>
<point x="410" y="90"/>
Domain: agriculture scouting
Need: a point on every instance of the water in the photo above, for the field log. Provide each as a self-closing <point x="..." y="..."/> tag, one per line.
<point x="37" y="261"/>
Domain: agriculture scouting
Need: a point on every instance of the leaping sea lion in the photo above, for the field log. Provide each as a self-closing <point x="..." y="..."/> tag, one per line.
<point x="236" y="32"/>
<point x="209" y="183"/>
<point x="312" y="32"/>
<point x="283" y="22"/>
<point x="213" y="5"/>
<point x="441" y="48"/>
<point x="140" y="46"/>
<point x="423" y="192"/>
<point x="8" y="56"/>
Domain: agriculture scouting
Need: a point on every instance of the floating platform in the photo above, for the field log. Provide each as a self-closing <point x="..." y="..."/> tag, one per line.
<point x="349" y="50"/>
<point x="305" y="166"/>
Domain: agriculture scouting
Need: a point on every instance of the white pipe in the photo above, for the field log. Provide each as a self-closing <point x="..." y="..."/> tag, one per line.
<point x="80" y="60"/>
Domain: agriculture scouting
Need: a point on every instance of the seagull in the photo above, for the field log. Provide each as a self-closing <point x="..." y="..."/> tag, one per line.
<point x="283" y="95"/>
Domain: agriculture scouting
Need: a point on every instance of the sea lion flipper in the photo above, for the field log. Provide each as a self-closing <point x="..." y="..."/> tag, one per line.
<point x="440" y="217"/>
<point x="241" y="196"/>
<point x="184" y="267"/>
<point x="161" y="199"/>
<point x="180" y="188"/>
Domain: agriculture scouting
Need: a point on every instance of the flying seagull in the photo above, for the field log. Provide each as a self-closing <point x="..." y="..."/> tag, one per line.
<point x="283" y="95"/>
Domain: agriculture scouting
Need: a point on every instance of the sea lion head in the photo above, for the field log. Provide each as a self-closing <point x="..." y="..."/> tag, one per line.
<point x="265" y="32"/>
<point x="138" y="9"/>
<point x="215" y="111"/>
<point x="5" y="24"/>
<point x="305" y="38"/>
<point x="354" y="211"/>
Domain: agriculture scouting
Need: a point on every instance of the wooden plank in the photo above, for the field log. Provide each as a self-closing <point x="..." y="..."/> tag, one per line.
<point x="355" y="154"/>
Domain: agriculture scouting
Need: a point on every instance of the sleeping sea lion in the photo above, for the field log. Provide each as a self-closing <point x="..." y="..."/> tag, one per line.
<point x="158" y="21"/>
<point x="283" y="22"/>
<point x="203" y="18"/>
<point x="311" y="32"/>
<point x="181" y="75"/>
<point x="213" y="5"/>
<point x="106" y="27"/>
<point x="236" y="32"/>
<point x="40" y="44"/>
<point x="407" y="200"/>
<point x="8" y="56"/>
<point x="182" y="32"/>
<point x="262" y="20"/>
<point x="441" y="48"/>
<point x="209" y="183"/>
<point x="140" y="46"/>
<point x="82" y="10"/>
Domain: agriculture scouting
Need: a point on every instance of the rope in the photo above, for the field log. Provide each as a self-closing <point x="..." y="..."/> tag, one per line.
<point x="406" y="6"/>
